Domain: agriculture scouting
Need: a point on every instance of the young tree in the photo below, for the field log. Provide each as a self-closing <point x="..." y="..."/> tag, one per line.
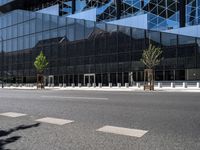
<point x="40" y="64"/>
<point x="151" y="57"/>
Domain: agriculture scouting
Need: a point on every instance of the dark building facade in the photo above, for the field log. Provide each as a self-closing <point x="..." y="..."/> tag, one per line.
<point x="81" y="51"/>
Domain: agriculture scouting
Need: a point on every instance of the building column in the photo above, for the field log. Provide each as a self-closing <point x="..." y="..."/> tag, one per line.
<point x="63" y="79"/>
<point x="123" y="78"/>
<point x="141" y="4"/>
<point x="136" y="75"/>
<point x="119" y="2"/>
<point x="182" y="16"/>
<point x="73" y="6"/>
<point x="108" y="77"/>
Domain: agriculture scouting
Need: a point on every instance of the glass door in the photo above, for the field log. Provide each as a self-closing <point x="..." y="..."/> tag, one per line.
<point x="51" y="80"/>
<point x="89" y="78"/>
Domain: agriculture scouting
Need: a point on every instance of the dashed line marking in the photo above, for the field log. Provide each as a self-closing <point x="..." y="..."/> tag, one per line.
<point x="55" y="121"/>
<point x="123" y="131"/>
<point x="12" y="114"/>
<point x="85" y="98"/>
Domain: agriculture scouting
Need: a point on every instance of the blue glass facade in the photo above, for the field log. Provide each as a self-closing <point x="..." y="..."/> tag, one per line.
<point x="193" y="12"/>
<point x="77" y="48"/>
<point x="3" y="2"/>
<point x="162" y="14"/>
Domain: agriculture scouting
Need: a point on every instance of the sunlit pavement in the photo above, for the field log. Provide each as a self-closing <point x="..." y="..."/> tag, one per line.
<point x="131" y="89"/>
<point x="99" y="120"/>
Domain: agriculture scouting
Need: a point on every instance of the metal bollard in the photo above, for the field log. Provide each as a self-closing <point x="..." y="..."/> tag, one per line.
<point x="184" y="85"/>
<point x="79" y="85"/>
<point x="172" y="85"/>
<point x="127" y="85"/>
<point x="94" y="85"/>
<point x="89" y="85"/>
<point x="198" y="84"/>
<point x="64" y="85"/>
<point x="100" y="85"/>
<point x="110" y="85"/>
<point x="60" y="85"/>
<point x="159" y="85"/>
<point x="138" y="85"/>
<point x="73" y="85"/>
<point x="119" y="85"/>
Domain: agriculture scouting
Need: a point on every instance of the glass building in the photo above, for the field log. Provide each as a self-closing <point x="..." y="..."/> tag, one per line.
<point x="96" y="51"/>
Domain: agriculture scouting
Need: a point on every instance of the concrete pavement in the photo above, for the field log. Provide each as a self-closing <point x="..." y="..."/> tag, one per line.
<point x="123" y="89"/>
<point x="170" y="119"/>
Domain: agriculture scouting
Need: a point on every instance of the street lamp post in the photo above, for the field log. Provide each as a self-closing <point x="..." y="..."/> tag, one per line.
<point x="2" y="62"/>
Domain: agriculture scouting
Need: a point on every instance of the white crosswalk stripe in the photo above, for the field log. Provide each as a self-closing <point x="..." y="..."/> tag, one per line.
<point x="12" y="114"/>
<point x="55" y="121"/>
<point x="123" y="131"/>
<point x="138" y="133"/>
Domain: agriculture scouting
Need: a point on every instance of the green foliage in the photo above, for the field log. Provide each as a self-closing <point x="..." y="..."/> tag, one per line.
<point x="151" y="57"/>
<point x="40" y="63"/>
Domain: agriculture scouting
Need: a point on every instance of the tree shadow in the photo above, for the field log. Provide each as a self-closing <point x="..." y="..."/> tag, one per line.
<point x="6" y="141"/>
<point x="13" y="139"/>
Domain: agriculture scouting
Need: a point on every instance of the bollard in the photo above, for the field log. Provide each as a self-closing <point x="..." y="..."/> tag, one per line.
<point x="172" y="85"/>
<point x="73" y="85"/>
<point x="126" y="85"/>
<point x="94" y="85"/>
<point x="64" y="85"/>
<point x="159" y="85"/>
<point x="100" y="85"/>
<point x="119" y="85"/>
<point x="198" y="84"/>
<point x="89" y="85"/>
<point x="138" y="85"/>
<point x="184" y="85"/>
<point x="110" y="85"/>
<point x="60" y="85"/>
<point x="52" y="85"/>
<point x="79" y="85"/>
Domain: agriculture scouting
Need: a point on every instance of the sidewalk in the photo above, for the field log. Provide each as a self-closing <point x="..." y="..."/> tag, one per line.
<point x="129" y="89"/>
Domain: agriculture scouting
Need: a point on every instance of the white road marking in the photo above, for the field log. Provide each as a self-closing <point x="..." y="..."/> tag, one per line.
<point x="12" y="114"/>
<point x="123" y="131"/>
<point x="86" y="98"/>
<point x="54" y="121"/>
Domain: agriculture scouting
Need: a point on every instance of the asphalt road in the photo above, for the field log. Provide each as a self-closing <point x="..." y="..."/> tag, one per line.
<point x="171" y="119"/>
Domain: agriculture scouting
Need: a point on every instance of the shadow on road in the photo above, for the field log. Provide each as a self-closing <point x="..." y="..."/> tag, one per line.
<point x="13" y="139"/>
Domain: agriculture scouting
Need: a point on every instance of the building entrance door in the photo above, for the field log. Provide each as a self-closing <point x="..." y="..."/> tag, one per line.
<point x="51" y="80"/>
<point x="89" y="78"/>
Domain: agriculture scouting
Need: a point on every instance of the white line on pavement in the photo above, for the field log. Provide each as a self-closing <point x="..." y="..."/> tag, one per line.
<point x="87" y="98"/>
<point x="123" y="131"/>
<point x="12" y="114"/>
<point x="55" y="121"/>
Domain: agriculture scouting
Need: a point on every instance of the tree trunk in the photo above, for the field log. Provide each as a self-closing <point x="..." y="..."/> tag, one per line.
<point x="149" y="79"/>
<point x="40" y="81"/>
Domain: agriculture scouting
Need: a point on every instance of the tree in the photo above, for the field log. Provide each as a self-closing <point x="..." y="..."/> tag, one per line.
<point x="151" y="57"/>
<point x="40" y="64"/>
